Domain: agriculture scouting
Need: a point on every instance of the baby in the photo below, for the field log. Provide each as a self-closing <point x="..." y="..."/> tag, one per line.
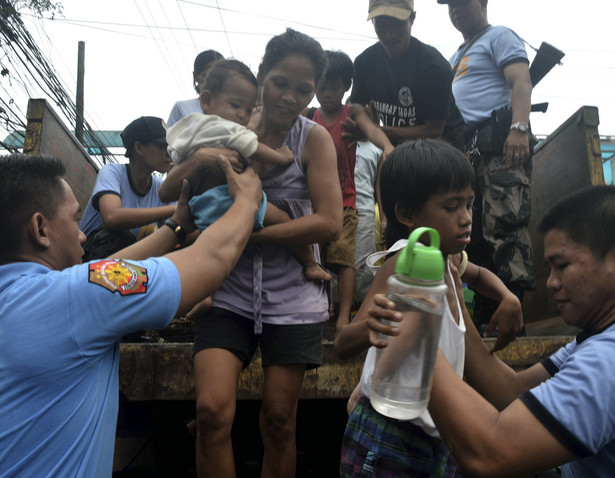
<point x="227" y="101"/>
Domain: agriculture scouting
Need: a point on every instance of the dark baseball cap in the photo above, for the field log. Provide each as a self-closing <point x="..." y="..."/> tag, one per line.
<point x="145" y="128"/>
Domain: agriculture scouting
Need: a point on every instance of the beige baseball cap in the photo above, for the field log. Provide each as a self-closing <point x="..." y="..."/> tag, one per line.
<point x="400" y="9"/>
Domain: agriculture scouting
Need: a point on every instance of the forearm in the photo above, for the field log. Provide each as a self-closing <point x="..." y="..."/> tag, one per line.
<point x="128" y="218"/>
<point x="310" y="229"/>
<point x="353" y="340"/>
<point x="191" y="169"/>
<point x="379" y="138"/>
<point x="487" y="442"/>
<point x="161" y="242"/>
<point x="488" y="284"/>
<point x="204" y="265"/>
<point x="486" y="373"/>
<point x="521" y="101"/>
<point x="268" y="155"/>
<point x="469" y="430"/>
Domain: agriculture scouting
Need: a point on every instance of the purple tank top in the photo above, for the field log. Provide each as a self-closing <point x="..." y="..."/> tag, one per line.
<point x="268" y="283"/>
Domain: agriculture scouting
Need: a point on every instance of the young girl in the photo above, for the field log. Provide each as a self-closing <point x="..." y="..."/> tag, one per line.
<point x="227" y="98"/>
<point x="424" y="183"/>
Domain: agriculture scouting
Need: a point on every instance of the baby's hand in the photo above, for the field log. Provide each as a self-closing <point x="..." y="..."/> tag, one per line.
<point x="286" y="153"/>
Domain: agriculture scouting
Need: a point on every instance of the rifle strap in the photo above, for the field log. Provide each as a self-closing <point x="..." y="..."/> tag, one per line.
<point x="467" y="47"/>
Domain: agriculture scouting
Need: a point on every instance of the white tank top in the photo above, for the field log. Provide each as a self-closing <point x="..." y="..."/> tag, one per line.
<point x="451" y="343"/>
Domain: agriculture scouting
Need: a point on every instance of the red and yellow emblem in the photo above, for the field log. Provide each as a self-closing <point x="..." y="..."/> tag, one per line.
<point x="118" y="275"/>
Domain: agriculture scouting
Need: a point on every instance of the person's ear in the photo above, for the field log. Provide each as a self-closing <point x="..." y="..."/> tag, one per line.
<point x="195" y="82"/>
<point x="404" y="216"/>
<point x="39" y="231"/>
<point x="411" y="18"/>
<point x="205" y="98"/>
<point x="138" y="148"/>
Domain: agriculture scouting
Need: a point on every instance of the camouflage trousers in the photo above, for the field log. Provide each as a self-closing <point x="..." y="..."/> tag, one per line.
<point x="500" y="236"/>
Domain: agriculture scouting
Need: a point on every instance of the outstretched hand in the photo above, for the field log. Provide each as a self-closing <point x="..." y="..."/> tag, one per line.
<point x="246" y="184"/>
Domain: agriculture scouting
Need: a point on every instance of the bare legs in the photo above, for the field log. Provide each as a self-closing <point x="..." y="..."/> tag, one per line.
<point x="278" y="419"/>
<point x="216" y="373"/>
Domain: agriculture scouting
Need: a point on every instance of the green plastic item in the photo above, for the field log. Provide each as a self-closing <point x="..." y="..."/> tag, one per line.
<point x="421" y="262"/>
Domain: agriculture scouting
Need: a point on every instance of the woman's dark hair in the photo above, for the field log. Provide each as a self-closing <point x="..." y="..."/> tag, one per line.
<point x="28" y="184"/>
<point x="586" y="216"/>
<point x="415" y="171"/>
<point x="293" y="42"/>
<point x="339" y="65"/>
<point x="203" y="59"/>
<point x="222" y="70"/>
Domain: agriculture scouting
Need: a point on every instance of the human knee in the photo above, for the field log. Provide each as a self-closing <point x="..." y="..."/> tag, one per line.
<point x="278" y="421"/>
<point x="214" y="415"/>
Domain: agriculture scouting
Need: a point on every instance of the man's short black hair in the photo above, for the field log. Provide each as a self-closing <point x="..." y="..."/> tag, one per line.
<point x="222" y="70"/>
<point x="587" y="216"/>
<point x="28" y="184"/>
<point x="339" y="65"/>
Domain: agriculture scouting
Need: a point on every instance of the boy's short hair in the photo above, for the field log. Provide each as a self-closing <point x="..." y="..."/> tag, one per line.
<point x="339" y="65"/>
<point x="222" y="70"/>
<point x="587" y="216"/>
<point x="415" y="171"/>
<point x="28" y="184"/>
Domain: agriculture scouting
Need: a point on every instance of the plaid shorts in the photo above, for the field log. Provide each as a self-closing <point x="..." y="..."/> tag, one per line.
<point x="382" y="447"/>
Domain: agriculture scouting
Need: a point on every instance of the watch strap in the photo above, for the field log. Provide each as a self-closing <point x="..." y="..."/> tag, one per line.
<point x="177" y="229"/>
<point x="521" y="127"/>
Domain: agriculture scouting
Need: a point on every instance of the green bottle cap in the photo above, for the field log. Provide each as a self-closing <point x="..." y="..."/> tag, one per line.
<point x="421" y="262"/>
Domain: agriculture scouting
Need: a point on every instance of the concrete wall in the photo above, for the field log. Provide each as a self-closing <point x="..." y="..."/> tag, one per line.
<point x="47" y="134"/>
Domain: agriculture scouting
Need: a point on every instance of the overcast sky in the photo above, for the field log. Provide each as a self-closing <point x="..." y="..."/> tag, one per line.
<point x="139" y="54"/>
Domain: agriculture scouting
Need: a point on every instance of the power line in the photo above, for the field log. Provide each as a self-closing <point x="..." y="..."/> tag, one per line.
<point x="188" y="29"/>
<point x="24" y="60"/>
<point x="228" y="41"/>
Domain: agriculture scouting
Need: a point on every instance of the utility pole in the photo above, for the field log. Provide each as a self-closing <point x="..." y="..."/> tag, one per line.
<point x="79" y="102"/>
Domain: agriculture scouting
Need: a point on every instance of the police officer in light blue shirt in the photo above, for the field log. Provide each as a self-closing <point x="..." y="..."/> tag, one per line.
<point x="61" y="320"/>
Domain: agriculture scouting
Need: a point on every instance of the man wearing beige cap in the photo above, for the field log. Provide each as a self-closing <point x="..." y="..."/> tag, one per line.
<point x="406" y="83"/>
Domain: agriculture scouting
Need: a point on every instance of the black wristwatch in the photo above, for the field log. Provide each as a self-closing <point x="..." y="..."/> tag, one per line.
<point x="177" y="229"/>
<point x="521" y="127"/>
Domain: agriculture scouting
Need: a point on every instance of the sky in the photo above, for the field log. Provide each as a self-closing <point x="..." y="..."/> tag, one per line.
<point x="139" y="53"/>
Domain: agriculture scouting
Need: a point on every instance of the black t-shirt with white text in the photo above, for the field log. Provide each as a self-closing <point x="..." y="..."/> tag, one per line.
<point x="409" y="90"/>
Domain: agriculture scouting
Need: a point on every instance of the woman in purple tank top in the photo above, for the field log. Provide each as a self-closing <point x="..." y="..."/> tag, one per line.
<point x="267" y="301"/>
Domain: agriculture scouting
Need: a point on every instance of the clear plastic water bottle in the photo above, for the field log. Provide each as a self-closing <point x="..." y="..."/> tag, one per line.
<point x="403" y="372"/>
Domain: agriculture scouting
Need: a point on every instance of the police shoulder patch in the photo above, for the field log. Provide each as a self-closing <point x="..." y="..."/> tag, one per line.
<point x="118" y="275"/>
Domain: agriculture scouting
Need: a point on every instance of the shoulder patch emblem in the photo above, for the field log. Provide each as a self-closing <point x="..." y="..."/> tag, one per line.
<point x="118" y="275"/>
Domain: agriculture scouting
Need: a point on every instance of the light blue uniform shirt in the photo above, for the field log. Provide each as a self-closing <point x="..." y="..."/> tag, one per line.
<point x="59" y="343"/>
<point x="479" y="85"/>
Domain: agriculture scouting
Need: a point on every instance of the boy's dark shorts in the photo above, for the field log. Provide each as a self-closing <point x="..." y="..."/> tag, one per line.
<point x="341" y="252"/>
<point x="279" y="344"/>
